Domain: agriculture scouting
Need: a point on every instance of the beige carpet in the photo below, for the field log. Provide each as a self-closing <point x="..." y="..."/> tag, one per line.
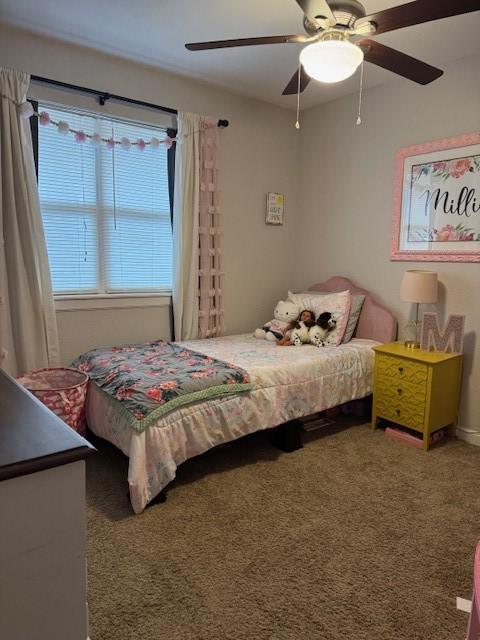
<point x="354" y="537"/>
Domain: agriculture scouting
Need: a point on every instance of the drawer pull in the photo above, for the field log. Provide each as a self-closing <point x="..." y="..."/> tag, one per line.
<point x="397" y="411"/>
<point x="399" y="391"/>
<point x="400" y="369"/>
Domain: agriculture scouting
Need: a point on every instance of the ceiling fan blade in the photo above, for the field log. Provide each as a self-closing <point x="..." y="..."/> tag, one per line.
<point x="417" y="12"/>
<point x="292" y="86"/>
<point x="398" y="62"/>
<point x="244" y="42"/>
<point x="317" y="8"/>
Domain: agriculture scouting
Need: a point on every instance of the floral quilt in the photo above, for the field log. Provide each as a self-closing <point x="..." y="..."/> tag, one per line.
<point x="153" y="378"/>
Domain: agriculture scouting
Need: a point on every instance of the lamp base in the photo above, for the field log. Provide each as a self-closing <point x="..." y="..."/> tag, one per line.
<point x="411" y="334"/>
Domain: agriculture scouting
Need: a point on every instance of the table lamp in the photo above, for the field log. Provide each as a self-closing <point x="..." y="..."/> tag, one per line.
<point x="419" y="287"/>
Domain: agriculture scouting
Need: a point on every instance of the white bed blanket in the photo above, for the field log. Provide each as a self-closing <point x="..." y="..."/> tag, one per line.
<point x="290" y="382"/>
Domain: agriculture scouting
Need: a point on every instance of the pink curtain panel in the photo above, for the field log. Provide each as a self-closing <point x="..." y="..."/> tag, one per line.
<point x="210" y="274"/>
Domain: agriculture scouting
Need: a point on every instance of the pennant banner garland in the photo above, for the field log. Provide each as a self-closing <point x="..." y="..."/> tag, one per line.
<point x="27" y="111"/>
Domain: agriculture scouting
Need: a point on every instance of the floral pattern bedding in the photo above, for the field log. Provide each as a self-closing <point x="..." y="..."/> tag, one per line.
<point x="288" y="382"/>
<point x="153" y="378"/>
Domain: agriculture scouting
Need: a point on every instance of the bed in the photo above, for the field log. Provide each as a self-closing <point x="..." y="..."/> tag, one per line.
<point x="288" y="383"/>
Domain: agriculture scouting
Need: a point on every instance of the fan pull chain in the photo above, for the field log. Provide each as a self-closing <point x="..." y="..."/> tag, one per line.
<point x="297" y="123"/>
<point x="359" y="115"/>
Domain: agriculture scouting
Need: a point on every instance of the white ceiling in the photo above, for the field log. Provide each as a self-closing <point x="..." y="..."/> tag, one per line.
<point x="154" y="31"/>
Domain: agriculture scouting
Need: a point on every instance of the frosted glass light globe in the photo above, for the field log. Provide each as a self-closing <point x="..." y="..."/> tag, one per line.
<point x="331" y="60"/>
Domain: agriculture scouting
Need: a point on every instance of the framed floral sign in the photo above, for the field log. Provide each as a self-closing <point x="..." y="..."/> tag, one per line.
<point x="436" y="215"/>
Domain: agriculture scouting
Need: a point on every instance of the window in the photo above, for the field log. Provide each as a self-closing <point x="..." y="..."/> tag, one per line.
<point x="106" y="213"/>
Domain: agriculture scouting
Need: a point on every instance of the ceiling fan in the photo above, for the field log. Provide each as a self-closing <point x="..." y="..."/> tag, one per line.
<point x="336" y="42"/>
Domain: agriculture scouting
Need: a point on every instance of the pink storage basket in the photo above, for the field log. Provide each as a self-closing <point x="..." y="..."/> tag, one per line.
<point x="63" y="391"/>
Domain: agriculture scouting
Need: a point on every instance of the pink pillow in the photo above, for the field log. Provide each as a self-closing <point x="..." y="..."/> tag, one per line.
<point x="337" y="303"/>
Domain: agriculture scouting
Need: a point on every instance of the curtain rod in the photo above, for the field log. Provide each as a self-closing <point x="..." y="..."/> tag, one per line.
<point x="103" y="96"/>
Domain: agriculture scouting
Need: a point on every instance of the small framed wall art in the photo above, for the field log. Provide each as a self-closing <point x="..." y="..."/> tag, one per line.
<point x="436" y="214"/>
<point x="275" y="208"/>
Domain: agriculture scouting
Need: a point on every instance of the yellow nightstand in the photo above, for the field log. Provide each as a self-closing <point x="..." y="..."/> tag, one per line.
<point x="417" y="389"/>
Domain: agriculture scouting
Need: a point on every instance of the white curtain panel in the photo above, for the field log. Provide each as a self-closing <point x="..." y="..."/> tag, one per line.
<point x="28" y="331"/>
<point x="197" y="231"/>
<point x="185" y="227"/>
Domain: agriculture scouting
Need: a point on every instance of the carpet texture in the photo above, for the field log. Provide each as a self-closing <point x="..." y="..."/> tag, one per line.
<point x="353" y="537"/>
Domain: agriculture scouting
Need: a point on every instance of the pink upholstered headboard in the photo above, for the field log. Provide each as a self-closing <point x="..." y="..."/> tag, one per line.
<point x="375" y="322"/>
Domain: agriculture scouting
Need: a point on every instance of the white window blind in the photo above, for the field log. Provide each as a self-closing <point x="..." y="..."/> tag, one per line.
<point x="105" y="212"/>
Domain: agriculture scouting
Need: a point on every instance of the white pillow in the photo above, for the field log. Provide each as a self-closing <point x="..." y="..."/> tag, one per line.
<point x="337" y="303"/>
<point x="357" y="303"/>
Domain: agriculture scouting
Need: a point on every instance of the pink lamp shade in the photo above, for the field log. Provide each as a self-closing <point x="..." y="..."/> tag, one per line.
<point x="419" y="286"/>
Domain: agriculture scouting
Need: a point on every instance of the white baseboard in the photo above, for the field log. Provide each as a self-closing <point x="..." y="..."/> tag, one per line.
<point x="468" y="435"/>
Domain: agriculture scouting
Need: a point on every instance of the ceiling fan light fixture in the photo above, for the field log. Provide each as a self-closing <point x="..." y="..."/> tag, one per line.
<point x="331" y="60"/>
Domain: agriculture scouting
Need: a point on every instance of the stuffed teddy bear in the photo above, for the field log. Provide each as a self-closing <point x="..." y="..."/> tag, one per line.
<point x="284" y="313"/>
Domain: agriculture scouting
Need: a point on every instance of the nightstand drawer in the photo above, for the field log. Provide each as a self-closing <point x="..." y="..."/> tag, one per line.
<point x="408" y="412"/>
<point x="397" y="389"/>
<point x="395" y="370"/>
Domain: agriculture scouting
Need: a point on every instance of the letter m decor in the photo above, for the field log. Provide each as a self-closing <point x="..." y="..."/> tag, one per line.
<point x="448" y="340"/>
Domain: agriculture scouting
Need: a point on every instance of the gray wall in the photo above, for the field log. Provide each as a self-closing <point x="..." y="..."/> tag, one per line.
<point x="337" y="179"/>
<point x="346" y="186"/>
<point x="259" y="152"/>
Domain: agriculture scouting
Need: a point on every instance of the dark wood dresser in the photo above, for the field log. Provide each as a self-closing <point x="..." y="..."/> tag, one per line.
<point x="42" y="521"/>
